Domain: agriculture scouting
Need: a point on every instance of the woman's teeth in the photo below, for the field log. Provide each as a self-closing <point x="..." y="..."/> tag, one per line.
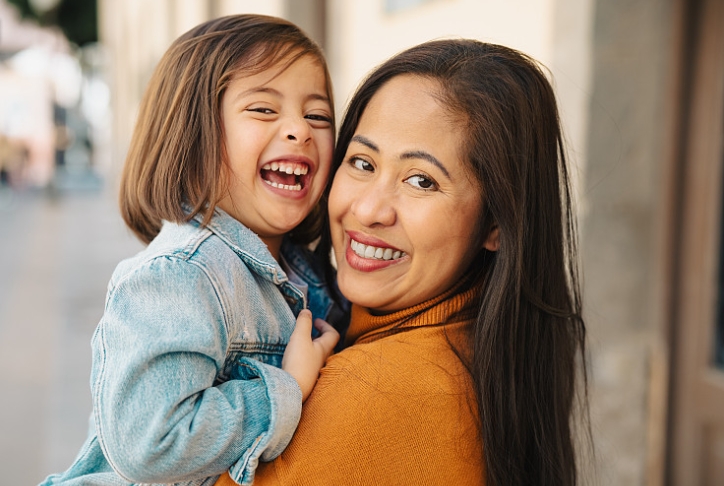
<point x="369" y="251"/>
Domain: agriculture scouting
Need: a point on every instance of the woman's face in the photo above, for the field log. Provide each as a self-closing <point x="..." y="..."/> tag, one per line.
<point x="404" y="209"/>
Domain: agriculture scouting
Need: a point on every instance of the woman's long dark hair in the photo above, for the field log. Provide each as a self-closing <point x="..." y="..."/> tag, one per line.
<point x="528" y="338"/>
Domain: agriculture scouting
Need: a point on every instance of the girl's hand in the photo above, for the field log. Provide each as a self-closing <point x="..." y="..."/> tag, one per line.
<point x="304" y="356"/>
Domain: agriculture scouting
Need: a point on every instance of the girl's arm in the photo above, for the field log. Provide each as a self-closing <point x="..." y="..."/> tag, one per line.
<point x="159" y="415"/>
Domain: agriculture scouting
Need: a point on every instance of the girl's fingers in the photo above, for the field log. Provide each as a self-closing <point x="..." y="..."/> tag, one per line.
<point x="322" y="326"/>
<point x="328" y="338"/>
<point x="304" y="323"/>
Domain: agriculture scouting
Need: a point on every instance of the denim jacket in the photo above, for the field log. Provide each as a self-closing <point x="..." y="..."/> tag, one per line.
<point x="186" y="380"/>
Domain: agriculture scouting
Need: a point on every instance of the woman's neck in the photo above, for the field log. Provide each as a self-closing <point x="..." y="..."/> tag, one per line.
<point x="452" y="306"/>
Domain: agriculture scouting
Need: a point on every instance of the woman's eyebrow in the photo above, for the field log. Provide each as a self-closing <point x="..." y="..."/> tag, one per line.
<point x="366" y="142"/>
<point x="414" y="154"/>
<point x="421" y="154"/>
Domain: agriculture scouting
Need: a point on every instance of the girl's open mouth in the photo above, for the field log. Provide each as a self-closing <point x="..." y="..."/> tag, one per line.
<point x="291" y="176"/>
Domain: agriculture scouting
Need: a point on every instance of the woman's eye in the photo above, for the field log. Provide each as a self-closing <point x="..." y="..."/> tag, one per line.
<point x="422" y="182"/>
<point x="361" y="164"/>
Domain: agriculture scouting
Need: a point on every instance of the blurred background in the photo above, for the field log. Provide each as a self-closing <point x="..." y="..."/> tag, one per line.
<point x="641" y="91"/>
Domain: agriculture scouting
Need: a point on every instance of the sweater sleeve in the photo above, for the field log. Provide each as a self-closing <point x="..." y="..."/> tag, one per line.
<point x="385" y="413"/>
<point x="159" y="415"/>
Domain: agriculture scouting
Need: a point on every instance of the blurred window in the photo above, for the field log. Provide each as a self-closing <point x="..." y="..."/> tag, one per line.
<point x="393" y="6"/>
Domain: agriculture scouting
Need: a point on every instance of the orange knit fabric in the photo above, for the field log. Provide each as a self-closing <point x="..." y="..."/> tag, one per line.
<point x="395" y="408"/>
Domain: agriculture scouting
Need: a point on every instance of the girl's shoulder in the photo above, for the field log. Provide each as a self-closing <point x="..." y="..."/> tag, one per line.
<point x="179" y="241"/>
<point x="176" y="247"/>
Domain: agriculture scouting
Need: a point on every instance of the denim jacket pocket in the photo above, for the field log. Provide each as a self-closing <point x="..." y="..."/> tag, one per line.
<point x="270" y="354"/>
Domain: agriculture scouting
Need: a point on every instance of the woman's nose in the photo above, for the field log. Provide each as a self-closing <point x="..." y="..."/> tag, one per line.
<point x="297" y="130"/>
<point x="374" y="206"/>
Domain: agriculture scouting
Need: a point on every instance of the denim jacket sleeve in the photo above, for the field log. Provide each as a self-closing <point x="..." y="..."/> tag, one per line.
<point x="160" y="415"/>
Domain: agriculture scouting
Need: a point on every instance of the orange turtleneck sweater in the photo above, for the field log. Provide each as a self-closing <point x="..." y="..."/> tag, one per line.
<point x="393" y="408"/>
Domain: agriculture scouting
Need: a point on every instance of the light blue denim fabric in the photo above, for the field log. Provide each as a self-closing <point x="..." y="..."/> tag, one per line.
<point x="185" y="379"/>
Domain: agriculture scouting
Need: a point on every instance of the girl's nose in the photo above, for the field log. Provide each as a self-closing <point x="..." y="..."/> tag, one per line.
<point x="374" y="206"/>
<point x="297" y="130"/>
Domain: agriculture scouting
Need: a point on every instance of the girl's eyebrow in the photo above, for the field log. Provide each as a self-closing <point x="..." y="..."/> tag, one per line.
<point x="278" y="94"/>
<point x="414" y="154"/>
<point x="258" y="89"/>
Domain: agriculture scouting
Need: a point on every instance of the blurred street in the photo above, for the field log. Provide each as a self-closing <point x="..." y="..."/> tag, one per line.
<point x="57" y="252"/>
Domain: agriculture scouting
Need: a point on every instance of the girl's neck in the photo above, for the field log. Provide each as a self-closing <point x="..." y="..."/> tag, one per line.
<point x="274" y="243"/>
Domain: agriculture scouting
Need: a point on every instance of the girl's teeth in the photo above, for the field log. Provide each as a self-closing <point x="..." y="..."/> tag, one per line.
<point x="369" y="251"/>
<point x="295" y="187"/>
<point x="287" y="168"/>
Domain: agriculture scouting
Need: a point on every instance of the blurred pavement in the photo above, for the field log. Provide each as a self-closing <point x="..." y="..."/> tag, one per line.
<point x="57" y="253"/>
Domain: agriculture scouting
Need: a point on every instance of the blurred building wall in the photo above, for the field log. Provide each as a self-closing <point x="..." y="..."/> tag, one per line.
<point x="362" y="34"/>
<point x="623" y="236"/>
<point x="611" y="64"/>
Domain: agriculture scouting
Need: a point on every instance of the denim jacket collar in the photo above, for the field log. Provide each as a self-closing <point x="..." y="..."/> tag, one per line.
<point x="252" y="250"/>
<point x="246" y="244"/>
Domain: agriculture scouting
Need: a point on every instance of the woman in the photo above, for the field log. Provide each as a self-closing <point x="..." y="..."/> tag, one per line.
<point x="451" y="222"/>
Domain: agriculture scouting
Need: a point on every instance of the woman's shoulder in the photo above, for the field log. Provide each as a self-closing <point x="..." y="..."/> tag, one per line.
<point x="386" y="411"/>
<point x="412" y="361"/>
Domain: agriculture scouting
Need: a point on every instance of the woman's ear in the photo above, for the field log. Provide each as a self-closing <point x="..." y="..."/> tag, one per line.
<point x="492" y="242"/>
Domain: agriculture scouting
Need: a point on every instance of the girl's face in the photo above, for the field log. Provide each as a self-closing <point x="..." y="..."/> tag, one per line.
<point x="404" y="209"/>
<point x="279" y="138"/>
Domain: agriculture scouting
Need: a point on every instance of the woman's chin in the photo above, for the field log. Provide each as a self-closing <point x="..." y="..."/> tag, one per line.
<point x="358" y="295"/>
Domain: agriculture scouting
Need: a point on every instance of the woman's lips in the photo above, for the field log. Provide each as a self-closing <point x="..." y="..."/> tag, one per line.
<point x="371" y="255"/>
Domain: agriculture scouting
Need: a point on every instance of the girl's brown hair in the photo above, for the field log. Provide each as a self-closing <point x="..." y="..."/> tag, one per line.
<point x="528" y="335"/>
<point x="175" y="167"/>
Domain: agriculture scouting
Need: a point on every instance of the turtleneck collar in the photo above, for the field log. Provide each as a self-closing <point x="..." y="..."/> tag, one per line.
<point x="366" y="327"/>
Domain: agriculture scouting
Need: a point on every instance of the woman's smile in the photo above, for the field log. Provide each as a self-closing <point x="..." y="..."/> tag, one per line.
<point x="375" y="252"/>
<point x="366" y="253"/>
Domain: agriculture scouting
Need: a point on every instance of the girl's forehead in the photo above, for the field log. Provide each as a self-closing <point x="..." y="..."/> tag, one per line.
<point x="273" y="62"/>
<point x="301" y="78"/>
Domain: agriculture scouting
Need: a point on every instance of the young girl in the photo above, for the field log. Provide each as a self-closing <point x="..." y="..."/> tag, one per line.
<point x="226" y="167"/>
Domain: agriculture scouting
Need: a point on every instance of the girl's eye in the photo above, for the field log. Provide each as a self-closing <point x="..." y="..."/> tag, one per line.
<point x="263" y="111"/>
<point x="361" y="164"/>
<point x="319" y="118"/>
<point x="422" y="182"/>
